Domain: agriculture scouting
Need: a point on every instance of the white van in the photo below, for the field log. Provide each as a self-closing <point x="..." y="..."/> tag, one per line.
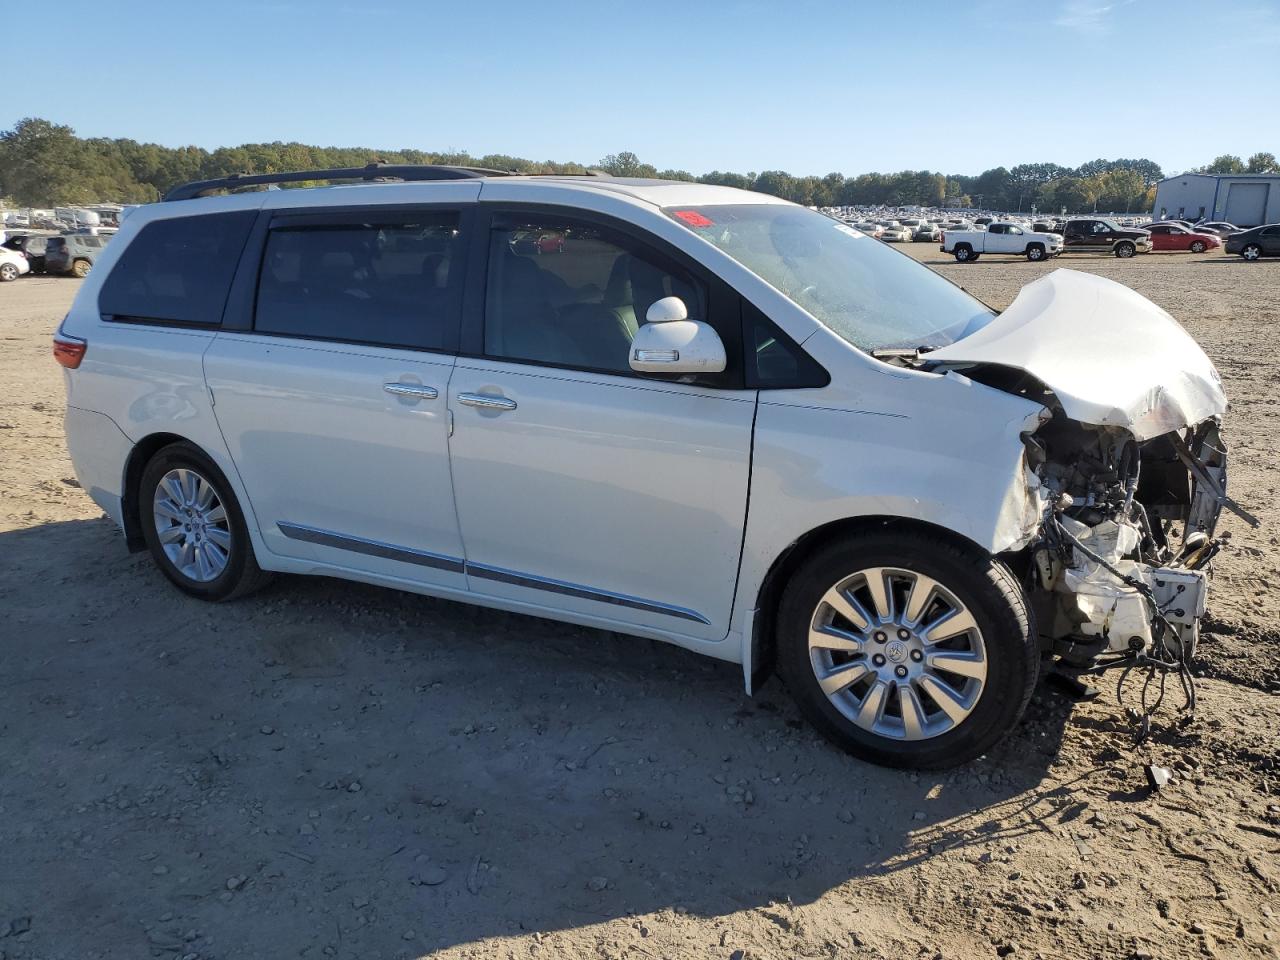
<point x="679" y="411"/>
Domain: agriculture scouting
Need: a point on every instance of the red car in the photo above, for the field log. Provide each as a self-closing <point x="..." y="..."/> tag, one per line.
<point x="1169" y="236"/>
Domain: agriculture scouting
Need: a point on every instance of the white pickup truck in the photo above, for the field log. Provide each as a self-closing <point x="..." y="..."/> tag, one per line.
<point x="968" y="245"/>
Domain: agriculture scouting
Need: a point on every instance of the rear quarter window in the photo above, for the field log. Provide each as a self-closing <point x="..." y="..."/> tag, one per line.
<point x="177" y="270"/>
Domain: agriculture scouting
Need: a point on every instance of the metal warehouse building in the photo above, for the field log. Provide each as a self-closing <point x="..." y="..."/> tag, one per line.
<point x="1245" y="199"/>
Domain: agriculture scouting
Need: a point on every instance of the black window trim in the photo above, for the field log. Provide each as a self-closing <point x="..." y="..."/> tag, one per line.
<point x="723" y="309"/>
<point x="751" y="314"/>
<point x="239" y="315"/>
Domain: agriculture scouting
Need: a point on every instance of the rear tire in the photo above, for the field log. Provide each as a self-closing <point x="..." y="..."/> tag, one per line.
<point x="1124" y="250"/>
<point x="80" y="269"/>
<point x="1251" y="251"/>
<point x="963" y="253"/>
<point x="907" y="656"/>
<point x="194" y="527"/>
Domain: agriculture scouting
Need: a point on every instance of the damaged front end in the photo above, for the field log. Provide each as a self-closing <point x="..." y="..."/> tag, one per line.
<point x="1129" y="468"/>
<point x="1122" y="560"/>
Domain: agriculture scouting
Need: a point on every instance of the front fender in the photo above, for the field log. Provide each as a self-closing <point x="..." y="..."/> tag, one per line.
<point x="943" y="450"/>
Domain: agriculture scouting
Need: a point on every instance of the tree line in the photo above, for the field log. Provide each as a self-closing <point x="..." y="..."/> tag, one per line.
<point x="43" y="164"/>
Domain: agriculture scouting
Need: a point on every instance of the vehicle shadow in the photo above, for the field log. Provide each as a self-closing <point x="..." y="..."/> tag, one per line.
<point x="334" y="769"/>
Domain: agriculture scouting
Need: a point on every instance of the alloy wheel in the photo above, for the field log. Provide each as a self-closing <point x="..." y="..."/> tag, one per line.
<point x="898" y="653"/>
<point x="192" y="525"/>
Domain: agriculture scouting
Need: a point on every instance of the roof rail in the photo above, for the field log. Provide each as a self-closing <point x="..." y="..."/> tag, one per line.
<point x="372" y="171"/>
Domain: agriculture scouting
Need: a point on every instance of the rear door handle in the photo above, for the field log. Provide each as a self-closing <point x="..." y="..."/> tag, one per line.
<point x="414" y="391"/>
<point x="486" y="401"/>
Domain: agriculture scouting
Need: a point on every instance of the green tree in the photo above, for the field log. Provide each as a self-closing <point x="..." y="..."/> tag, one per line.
<point x="626" y="164"/>
<point x="1225" y="164"/>
<point x="995" y="188"/>
<point x="1262" y="163"/>
<point x="1121" y="191"/>
<point x="721" y="179"/>
<point x="42" y="164"/>
<point x="776" y="182"/>
<point x="1076" y="194"/>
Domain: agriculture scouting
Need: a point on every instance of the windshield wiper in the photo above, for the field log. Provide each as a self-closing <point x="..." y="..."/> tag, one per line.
<point x="902" y="354"/>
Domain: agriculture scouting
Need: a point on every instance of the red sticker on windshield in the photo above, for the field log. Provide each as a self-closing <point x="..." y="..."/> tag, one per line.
<point x="693" y="218"/>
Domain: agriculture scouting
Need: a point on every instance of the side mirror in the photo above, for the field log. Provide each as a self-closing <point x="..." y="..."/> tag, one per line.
<point x="670" y="343"/>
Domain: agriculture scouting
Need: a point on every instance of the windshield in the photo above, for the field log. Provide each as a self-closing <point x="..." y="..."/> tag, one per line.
<point x="872" y="296"/>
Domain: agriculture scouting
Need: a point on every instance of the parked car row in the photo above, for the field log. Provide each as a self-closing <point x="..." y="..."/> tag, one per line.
<point x="71" y="253"/>
<point x="63" y="218"/>
<point x="1121" y="236"/>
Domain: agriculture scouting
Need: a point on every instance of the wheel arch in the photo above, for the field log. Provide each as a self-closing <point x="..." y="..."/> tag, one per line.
<point x="139" y="457"/>
<point x="761" y="646"/>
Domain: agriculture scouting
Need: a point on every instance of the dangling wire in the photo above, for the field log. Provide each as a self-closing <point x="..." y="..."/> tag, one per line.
<point x="1161" y="662"/>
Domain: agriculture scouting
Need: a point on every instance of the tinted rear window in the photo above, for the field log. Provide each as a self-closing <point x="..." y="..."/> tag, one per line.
<point x="177" y="270"/>
<point x="392" y="283"/>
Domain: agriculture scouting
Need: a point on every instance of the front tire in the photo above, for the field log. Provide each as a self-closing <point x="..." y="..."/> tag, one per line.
<point x="1197" y="247"/>
<point x="1035" y="253"/>
<point x="1251" y="251"/>
<point x="8" y="272"/>
<point x="194" y="527"/>
<point x="1124" y="250"/>
<point x="906" y="650"/>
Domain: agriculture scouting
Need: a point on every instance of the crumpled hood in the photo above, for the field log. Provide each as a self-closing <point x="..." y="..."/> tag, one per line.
<point x="1110" y="355"/>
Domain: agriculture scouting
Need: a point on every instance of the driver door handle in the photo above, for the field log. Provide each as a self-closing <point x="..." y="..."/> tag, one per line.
<point x="413" y="391"/>
<point x="486" y="401"/>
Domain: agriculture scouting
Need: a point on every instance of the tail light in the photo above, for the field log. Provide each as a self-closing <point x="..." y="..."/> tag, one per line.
<point x="68" y="350"/>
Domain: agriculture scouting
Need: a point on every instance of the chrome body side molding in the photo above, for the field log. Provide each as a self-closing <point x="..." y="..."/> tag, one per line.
<point x="390" y="551"/>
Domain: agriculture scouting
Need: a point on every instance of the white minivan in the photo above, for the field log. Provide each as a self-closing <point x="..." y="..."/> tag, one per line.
<point x="678" y="411"/>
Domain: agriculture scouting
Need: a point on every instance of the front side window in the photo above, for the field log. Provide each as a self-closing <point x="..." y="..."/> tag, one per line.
<point x="574" y="294"/>
<point x="379" y="283"/>
<point x="174" y="271"/>
<point x="866" y="292"/>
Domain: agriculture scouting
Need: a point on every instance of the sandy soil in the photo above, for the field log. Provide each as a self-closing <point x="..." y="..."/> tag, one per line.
<point x="331" y="770"/>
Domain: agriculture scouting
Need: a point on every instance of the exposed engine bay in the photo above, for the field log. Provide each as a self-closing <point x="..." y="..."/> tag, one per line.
<point x="1119" y="569"/>
<point x="1126" y="472"/>
<point x="1124" y="555"/>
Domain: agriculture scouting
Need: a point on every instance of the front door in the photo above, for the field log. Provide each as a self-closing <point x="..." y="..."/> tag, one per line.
<point x="581" y="487"/>
<point x="1078" y="235"/>
<point x="333" y="402"/>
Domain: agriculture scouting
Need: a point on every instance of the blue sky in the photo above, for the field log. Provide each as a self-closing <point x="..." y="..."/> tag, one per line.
<point x="798" y="85"/>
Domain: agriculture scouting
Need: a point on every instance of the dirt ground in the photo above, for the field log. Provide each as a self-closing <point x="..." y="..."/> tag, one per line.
<point x="332" y="770"/>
